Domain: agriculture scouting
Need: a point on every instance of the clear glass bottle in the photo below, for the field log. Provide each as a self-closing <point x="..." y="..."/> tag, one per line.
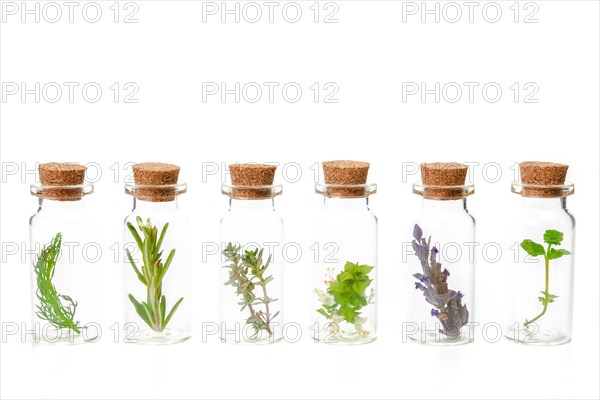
<point x="440" y="302"/>
<point x="63" y="275"/>
<point x="543" y="235"/>
<point x="157" y="261"/>
<point x="344" y="279"/>
<point x="251" y="276"/>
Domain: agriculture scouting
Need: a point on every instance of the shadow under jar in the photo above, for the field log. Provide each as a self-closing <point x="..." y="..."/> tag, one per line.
<point x="63" y="277"/>
<point x="543" y="230"/>
<point x="440" y="302"/>
<point x="157" y="265"/>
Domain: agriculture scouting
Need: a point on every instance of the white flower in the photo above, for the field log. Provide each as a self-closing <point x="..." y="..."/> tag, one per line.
<point x="324" y="298"/>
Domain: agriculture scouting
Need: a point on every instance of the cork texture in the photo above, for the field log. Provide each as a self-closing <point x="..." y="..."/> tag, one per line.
<point x="542" y="173"/>
<point x="62" y="174"/>
<point x="443" y="174"/>
<point x="345" y="172"/>
<point x="252" y="175"/>
<point x="154" y="173"/>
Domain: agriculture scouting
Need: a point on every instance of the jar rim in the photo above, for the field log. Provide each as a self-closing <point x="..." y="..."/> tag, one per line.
<point x="462" y="191"/>
<point x="178" y="188"/>
<point x="345" y="191"/>
<point x="262" y="192"/>
<point x="566" y="189"/>
<point x="79" y="191"/>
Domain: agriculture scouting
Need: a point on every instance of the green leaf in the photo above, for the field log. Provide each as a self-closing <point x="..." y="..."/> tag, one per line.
<point x="135" y="234"/>
<point x="162" y="235"/>
<point x="135" y="268"/>
<point x="553" y="237"/>
<point x="532" y="248"/>
<point x="557" y="253"/>
<point x="324" y="313"/>
<point x="142" y="311"/>
<point x="166" y="266"/>
<point x="172" y="311"/>
<point x="163" y="309"/>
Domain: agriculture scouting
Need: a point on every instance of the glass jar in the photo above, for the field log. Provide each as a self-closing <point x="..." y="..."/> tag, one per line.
<point x="157" y="266"/>
<point x="344" y="279"/>
<point x="543" y="239"/>
<point x="65" y="308"/>
<point x="440" y="302"/>
<point x="251" y="277"/>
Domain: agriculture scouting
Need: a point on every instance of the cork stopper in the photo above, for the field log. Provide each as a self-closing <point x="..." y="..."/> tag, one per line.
<point x="62" y="174"/>
<point x="252" y="175"/>
<point x="543" y="174"/>
<point x="345" y="172"/>
<point x="155" y="174"/>
<point x="443" y="174"/>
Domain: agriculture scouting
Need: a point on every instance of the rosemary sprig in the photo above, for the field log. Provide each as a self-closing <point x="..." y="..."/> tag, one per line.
<point x="246" y="273"/>
<point x="153" y="310"/>
<point x="58" y="309"/>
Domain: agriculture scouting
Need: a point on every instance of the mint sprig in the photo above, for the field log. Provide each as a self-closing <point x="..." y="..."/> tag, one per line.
<point x="551" y="237"/>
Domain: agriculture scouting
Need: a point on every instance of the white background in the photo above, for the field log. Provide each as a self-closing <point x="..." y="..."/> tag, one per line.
<point x="369" y="53"/>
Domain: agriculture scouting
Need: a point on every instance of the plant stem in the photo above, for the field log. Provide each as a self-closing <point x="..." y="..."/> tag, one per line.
<point x="268" y="317"/>
<point x="546" y="292"/>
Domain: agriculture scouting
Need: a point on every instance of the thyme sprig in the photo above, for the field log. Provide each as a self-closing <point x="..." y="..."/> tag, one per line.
<point x="247" y="274"/>
<point x="153" y="310"/>
<point x="58" y="309"/>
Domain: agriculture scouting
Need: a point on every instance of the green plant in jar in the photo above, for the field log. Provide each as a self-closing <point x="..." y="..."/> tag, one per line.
<point x="551" y="238"/>
<point x="153" y="311"/>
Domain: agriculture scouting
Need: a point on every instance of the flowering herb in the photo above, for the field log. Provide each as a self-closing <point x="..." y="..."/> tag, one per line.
<point x="152" y="311"/>
<point x="449" y="308"/>
<point x="551" y="237"/>
<point x="346" y="295"/>
<point x="58" y="309"/>
<point x="247" y="273"/>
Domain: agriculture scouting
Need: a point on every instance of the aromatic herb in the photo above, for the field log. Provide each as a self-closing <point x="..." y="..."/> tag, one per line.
<point x="247" y="273"/>
<point x="152" y="311"/>
<point x="449" y="308"/>
<point x="58" y="309"/>
<point x="551" y="237"/>
<point x="346" y="296"/>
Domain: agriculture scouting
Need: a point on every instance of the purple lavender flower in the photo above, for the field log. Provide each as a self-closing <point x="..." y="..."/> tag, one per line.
<point x="417" y="232"/>
<point x="449" y="310"/>
<point x="434" y="252"/>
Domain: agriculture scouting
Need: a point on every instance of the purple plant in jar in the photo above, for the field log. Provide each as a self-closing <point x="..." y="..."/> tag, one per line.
<point x="448" y="306"/>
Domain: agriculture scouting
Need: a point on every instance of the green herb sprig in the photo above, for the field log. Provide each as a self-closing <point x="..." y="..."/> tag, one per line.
<point x="247" y="273"/>
<point x="153" y="310"/>
<point x="551" y="237"/>
<point x="348" y="292"/>
<point x="58" y="309"/>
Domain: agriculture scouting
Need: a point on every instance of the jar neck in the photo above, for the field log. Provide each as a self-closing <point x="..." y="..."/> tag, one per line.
<point x="550" y="203"/>
<point x="446" y="205"/>
<point x="253" y="205"/>
<point x="67" y="206"/>
<point x="153" y="206"/>
<point x="346" y="203"/>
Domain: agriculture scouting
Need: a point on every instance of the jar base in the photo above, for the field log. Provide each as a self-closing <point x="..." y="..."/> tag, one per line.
<point x="462" y="340"/>
<point x="153" y="338"/>
<point x="64" y="337"/>
<point x="260" y="342"/>
<point x="344" y="339"/>
<point x="541" y="337"/>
